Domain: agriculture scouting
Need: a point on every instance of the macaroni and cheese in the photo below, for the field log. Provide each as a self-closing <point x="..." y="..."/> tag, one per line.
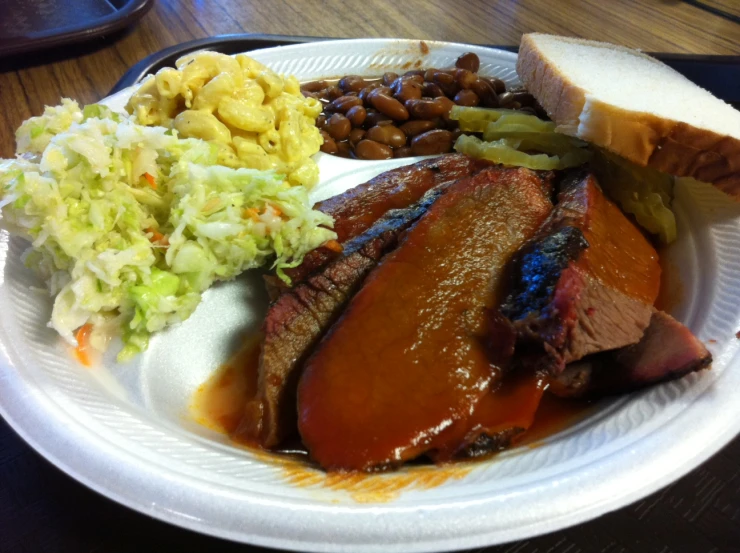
<point x="255" y="117"/>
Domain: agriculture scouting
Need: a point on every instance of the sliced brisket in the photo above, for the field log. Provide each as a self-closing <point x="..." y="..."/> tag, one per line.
<point x="298" y="318"/>
<point x="666" y="351"/>
<point x="402" y="370"/>
<point x="357" y="209"/>
<point x="586" y="282"/>
<point x="500" y="416"/>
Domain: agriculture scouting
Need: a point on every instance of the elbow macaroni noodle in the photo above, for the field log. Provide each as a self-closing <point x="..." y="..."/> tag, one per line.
<point x="257" y="118"/>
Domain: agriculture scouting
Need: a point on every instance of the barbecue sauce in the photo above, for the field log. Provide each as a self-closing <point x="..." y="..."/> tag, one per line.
<point x="619" y="255"/>
<point x="671" y="287"/>
<point x="403" y="369"/>
<point x="554" y="414"/>
<point x="500" y="416"/>
<point x="219" y="402"/>
<point x="358" y="208"/>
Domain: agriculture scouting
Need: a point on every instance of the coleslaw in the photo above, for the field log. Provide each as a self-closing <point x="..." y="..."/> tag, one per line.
<point x="129" y="224"/>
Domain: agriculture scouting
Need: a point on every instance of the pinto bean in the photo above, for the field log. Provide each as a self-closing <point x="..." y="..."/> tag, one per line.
<point x="469" y="61"/>
<point x="447" y="105"/>
<point x="338" y="126"/>
<point x="498" y="85"/>
<point x="388" y="106"/>
<point x="344" y="149"/>
<point x="352" y="83"/>
<point x="363" y="94"/>
<point x="446" y="82"/>
<point x="417" y="126"/>
<point x="355" y="135"/>
<point x="369" y="149"/>
<point x="329" y="146"/>
<point x="506" y="99"/>
<point x="374" y="117"/>
<point x="465" y="78"/>
<point x="433" y="142"/>
<point x="356" y="115"/>
<point x="432" y="90"/>
<point x="524" y="98"/>
<point x="387" y="134"/>
<point x="415" y="73"/>
<point x="378" y="90"/>
<point x="485" y="92"/>
<point x="389" y="78"/>
<point x="467" y="98"/>
<point x="406" y="89"/>
<point x="332" y="93"/>
<point x="343" y="104"/>
<point x="314" y="86"/>
<point x="403" y="151"/>
<point x="424" y="109"/>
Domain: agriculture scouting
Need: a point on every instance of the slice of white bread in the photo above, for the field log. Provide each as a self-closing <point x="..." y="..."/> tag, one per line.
<point x="635" y="106"/>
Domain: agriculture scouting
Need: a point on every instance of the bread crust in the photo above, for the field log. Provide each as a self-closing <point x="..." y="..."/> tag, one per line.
<point x="645" y="139"/>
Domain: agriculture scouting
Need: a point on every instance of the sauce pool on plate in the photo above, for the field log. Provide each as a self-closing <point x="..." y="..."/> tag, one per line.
<point x="218" y="404"/>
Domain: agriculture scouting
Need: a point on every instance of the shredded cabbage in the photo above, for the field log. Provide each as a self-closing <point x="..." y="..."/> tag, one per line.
<point x="36" y="133"/>
<point x="131" y="223"/>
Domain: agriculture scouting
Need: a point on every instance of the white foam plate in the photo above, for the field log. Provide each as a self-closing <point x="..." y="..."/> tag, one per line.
<point x="126" y="430"/>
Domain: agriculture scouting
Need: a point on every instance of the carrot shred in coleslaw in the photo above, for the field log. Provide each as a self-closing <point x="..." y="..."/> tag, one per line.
<point x="157" y="237"/>
<point x="150" y="179"/>
<point x="82" y="351"/>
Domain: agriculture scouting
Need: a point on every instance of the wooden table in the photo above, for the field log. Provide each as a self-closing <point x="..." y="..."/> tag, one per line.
<point x="43" y="510"/>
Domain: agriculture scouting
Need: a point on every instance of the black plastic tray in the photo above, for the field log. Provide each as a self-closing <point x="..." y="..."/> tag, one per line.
<point x="28" y="26"/>
<point x="718" y="74"/>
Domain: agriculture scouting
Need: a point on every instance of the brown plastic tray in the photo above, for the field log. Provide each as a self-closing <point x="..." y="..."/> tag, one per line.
<point x="32" y="25"/>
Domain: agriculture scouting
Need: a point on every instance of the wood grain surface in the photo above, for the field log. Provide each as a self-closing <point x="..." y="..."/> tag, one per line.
<point x="42" y="510"/>
<point x="729" y="7"/>
<point x="88" y="72"/>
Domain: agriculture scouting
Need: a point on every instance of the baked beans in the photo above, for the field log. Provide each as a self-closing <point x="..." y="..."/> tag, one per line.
<point x="404" y="115"/>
